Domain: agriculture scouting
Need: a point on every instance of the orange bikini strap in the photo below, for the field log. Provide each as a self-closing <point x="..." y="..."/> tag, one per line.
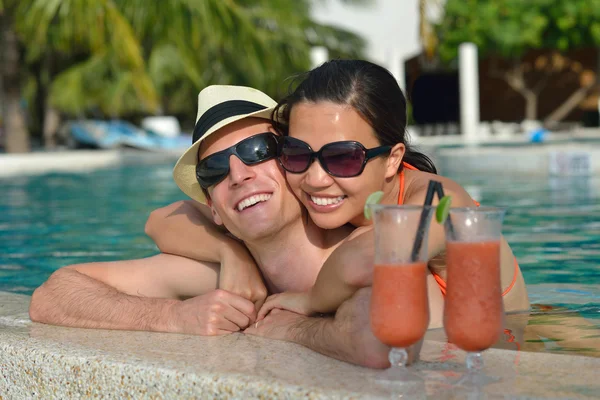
<point x="514" y="279"/>
<point x="401" y="192"/>
<point x="401" y="177"/>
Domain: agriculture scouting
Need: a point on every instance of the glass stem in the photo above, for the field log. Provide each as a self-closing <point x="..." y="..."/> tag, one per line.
<point x="398" y="357"/>
<point x="474" y="361"/>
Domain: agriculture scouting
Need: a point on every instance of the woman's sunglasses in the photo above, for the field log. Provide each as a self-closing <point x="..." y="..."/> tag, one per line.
<point x="253" y="150"/>
<point x="339" y="159"/>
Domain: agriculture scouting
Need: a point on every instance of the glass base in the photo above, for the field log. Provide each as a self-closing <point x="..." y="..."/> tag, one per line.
<point x="399" y="381"/>
<point x="474" y="361"/>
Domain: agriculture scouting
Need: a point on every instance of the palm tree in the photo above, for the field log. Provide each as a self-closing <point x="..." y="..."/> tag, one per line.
<point x="12" y="115"/>
<point x="86" y="56"/>
<point x="128" y="57"/>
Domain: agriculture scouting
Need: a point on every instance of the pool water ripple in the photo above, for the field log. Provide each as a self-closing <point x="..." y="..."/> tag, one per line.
<point x="49" y="221"/>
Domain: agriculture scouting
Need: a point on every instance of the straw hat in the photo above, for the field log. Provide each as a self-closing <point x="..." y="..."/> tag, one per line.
<point x="218" y="106"/>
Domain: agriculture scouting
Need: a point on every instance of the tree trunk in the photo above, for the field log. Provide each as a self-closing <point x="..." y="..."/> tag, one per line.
<point x="515" y="78"/>
<point x="15" y="126"/>
<point x="567" y="106"/>
<point x="531" y="105"/>
<point x="51" y="125"/>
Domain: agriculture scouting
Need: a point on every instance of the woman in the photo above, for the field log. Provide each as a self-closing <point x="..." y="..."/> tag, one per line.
<point x="345" y="129"/>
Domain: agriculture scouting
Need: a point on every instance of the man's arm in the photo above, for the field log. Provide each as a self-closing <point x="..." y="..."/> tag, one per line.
<point x="141" y="294"/>
<point x="186" y="228"/>
<point x="346" y="337"/>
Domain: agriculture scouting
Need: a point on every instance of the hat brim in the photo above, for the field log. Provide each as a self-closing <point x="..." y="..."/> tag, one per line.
<point x="184" y="172"/>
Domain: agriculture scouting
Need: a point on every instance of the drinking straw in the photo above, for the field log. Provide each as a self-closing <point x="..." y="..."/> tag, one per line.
<point x="431" y="190"/>
<point x="440" y="192"/>
<point x="434" y="187"/>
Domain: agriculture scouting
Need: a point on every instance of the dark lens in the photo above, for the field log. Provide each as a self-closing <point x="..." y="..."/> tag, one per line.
<point x="295" y="155"/>
<point x="343" y="159"/>
<point x="257" y="149"/>
<point x="212" y="170"/>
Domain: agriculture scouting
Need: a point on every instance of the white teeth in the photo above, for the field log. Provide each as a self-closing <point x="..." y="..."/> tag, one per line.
<point x="324" y="201"/>
<point x="252" y="200"/>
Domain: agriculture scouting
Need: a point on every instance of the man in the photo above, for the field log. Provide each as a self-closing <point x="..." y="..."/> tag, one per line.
<point x="249" y="195"/>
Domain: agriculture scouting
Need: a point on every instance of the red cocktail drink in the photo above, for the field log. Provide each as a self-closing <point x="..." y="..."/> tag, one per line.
<point x="473" y="309"/>
<point x="399" y="306"/>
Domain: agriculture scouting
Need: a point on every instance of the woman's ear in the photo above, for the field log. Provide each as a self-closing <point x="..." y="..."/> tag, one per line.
<point x="395" y="160"/>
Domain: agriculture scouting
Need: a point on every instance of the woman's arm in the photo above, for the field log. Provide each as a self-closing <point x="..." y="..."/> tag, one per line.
<point x="347" y="269"/>
<point x="186" y="228"/>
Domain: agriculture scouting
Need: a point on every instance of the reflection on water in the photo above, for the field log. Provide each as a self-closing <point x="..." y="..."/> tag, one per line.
<point x="547" y="329"/>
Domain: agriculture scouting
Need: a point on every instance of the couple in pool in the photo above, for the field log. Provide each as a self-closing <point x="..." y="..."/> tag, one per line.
<point x="288" y="223"/>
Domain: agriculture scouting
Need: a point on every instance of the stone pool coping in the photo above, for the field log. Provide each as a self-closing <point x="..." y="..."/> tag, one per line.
<point x="560" y="159"/>
<point x="78" y="160"/>
<point x="41" y="361"/>
<point x="510" y="155"/>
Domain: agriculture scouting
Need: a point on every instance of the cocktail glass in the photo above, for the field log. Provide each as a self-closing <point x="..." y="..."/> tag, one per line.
<point x="399" y="304"/>
<point x="473" y="309"/>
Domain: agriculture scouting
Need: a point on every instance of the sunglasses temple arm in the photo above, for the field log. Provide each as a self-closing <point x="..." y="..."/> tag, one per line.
<point x="377" y="151"/>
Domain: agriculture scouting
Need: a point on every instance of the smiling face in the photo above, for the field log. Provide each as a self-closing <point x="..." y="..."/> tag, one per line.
<point x="333" y="202"/>
<point x="253" y="202"/>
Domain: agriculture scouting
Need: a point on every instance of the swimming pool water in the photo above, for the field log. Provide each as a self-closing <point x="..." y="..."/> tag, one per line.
<point x="50" y="221"/>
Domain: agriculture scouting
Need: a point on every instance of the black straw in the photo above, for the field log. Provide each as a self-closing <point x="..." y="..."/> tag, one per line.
<point x="434" y="188"/>
<point x="431" y="190"/>
<point x="440" y="192"/>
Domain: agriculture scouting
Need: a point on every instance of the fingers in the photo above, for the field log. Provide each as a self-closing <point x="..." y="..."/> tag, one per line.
<point x="227" y="326"/>
<point x="237" y="309"/>
<point x="241" y="304"/>
<point x="269" y="304"/>
<point x="258" y="304"/>
<point x="256" y="328"/>
<point x="235" y="316"/>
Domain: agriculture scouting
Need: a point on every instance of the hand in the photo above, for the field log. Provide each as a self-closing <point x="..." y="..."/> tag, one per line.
<point x="215" y="313"/>
<point x="296" y="302"/>
<point x="277" y="325"/>
<point x="240" y="275"/>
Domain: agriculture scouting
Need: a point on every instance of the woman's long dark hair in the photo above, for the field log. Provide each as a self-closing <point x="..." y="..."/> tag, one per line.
<point x="368" y="88"/>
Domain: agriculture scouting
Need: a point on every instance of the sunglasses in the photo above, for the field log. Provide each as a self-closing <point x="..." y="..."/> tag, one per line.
<point x="340" y="159"/>
<point x="253" y="150"/>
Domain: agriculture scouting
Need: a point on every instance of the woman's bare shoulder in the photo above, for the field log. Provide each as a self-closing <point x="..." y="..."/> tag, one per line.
<point x="417" y="183"/>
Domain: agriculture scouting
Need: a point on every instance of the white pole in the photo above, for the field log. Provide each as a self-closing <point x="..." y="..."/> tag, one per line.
<point x="469" y="91"/>
<point x="318" y="55"/>
<point x="396" y="67"/>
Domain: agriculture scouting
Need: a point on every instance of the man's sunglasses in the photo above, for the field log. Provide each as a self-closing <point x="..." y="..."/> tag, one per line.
<point x="340" y="159"/>
<point x="253" y="150"/>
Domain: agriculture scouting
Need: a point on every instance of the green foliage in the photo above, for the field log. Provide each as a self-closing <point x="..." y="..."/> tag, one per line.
<point x="508" y="28"/>
<point x="125" y="57"/>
